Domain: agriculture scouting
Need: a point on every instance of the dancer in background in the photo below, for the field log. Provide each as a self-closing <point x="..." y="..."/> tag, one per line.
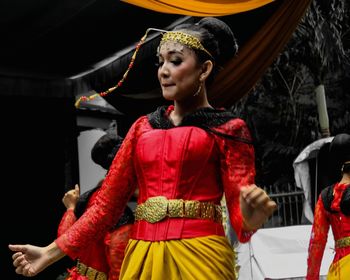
<point x="182" y="158"/>
<point x="102" y="258"/>
<point x="333" y="210"/>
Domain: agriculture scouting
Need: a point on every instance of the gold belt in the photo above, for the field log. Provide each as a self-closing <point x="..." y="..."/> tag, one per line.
<point x="342" y="242"/>
<point x="90" y="273"/>
<point x="155" y="209"/>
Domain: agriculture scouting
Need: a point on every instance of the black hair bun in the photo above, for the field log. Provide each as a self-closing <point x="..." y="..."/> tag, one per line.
<point x="105" y="149"/>
<point x="339" y="150"/>
<point x="228" y="46"/>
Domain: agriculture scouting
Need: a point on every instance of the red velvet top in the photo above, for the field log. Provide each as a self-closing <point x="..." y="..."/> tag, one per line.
<point x="103" y="254"/>
<point x="185" y="162"/>
<point x="324" y="219"/>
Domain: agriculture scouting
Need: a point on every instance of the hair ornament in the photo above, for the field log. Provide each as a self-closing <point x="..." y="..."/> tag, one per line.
<point x="184" y="39"/>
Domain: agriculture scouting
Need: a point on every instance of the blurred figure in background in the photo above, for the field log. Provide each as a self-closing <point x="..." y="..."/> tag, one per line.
<point x="333" y="210"/>
<point x="101" y="259"/>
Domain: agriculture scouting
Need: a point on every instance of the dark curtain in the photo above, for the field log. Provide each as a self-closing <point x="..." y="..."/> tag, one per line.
<point x="39" y="160"/>
<point x="257" y="54"/>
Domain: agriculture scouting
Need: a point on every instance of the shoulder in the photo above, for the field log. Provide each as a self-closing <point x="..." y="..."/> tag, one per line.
<point x="143" y="120"/>
<point x="237" y="128"/>
<point x="327" y="197"/>
<point x="237" y="124"/>
<point x="140" y="125"/>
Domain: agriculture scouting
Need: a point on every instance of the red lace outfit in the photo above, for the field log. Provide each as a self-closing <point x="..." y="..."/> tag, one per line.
<point x="190" y="162"/>
<point x="102" y="254"/>
<point x="323" y="219"/>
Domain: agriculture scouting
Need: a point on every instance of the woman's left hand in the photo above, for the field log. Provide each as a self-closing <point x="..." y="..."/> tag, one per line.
<point x="256" y="207"/>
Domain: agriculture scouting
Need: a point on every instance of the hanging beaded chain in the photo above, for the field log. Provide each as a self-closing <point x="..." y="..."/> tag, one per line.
<point x="131" y="64"/>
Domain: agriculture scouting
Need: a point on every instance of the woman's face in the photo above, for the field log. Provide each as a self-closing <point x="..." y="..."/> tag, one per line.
<point x="178" y="71"/>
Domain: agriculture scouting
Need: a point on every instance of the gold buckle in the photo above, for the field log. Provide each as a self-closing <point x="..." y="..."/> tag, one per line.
<point x="153" y="210"/>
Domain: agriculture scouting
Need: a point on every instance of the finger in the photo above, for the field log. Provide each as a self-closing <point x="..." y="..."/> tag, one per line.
<point x="19" y="270"/>
<point x="260" y="200"/>
<point x="17" y="248"/>
<point x="16" y="255"/>
<point x="27" y="270"/>
<point x="256" y="196"/>
<point x="19" y="260"/>
<point x="247" y="191"/>
<point x="271" y="207"/>
<point x="77" y="188"/>
<point x="23" y="263"/>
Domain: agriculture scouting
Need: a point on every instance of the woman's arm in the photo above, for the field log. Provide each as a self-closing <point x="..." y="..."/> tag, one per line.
<point x="318" y="240"/>
<point x="69" y="200"/>
<point x="248" y="205"/>
<point x="109" y="204"/>
<point x="114" y="194"/>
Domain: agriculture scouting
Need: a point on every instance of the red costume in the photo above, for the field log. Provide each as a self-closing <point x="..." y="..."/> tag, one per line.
<point x="208" y="154"/>
<point x="332" y="209"/>
<point x="103" y="254"/>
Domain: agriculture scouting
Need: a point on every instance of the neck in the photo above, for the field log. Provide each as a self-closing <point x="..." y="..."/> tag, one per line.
<point x="191" y="104"/>
<point x="345" y="179"/>
<point x="182" y="108"/>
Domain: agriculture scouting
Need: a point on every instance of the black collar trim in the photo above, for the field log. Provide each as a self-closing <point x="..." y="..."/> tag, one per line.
<point x="206" y="118"/>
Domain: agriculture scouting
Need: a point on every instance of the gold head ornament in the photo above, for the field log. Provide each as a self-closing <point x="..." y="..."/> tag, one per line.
<point x="184" y="39"/>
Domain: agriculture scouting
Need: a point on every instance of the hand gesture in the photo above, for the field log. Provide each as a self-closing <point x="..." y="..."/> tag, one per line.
<point x="29" y="260"/>
<point x="71" y="197"/>
<point x="256" y="207"/>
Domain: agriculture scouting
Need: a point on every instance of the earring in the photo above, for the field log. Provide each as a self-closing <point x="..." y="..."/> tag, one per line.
<point x="198" y="90"/>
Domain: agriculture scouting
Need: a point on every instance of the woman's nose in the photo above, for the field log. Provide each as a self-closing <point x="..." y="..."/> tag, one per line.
<point x="163" y="71"/>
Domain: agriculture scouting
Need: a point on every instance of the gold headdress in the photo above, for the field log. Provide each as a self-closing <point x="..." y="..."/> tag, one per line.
<point x="184" y="39"/>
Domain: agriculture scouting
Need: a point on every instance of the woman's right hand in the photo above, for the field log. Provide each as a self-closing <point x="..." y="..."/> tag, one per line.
<point x="29" y="260"/>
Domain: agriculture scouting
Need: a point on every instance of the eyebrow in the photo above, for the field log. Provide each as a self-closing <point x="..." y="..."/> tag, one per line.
<point x="171" y="52"/>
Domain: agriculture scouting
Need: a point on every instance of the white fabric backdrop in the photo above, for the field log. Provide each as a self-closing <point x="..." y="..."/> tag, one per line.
<point x="89" y="172"/>
<point x="302" y="174"/>
<point x="280" y="253"/>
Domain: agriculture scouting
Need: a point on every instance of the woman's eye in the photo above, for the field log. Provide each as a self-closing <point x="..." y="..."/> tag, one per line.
<point x="173" y="61"/>
<point x="176" y="61"/>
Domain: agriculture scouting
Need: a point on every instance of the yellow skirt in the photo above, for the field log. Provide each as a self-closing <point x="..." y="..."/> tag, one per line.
<point x="204" y="258"/>
<point x="340" y="270"/>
